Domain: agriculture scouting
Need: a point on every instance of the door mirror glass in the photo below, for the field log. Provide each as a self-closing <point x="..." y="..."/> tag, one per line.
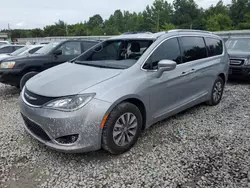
<point x="58" y="52"/>
<point x="165" y="65"/>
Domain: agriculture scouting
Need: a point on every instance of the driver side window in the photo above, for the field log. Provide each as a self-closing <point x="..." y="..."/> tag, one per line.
<point x="168" y="50"/>
<point x="71" y="48"/>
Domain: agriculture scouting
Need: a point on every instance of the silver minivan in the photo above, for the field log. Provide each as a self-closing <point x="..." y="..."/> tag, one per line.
<point x="105" y="97"/>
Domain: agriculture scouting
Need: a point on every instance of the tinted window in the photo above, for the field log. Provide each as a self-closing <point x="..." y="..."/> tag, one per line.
<point x="88" y="45"/>
<point x="169" y="50"/>
<point x="34" y="50"/>
<point x="6" y="49"/>
<point x="193" y="48"/>
<point x="214" y="46"/>
<point x="17" y="47"/>
<point x="71" y="48"/>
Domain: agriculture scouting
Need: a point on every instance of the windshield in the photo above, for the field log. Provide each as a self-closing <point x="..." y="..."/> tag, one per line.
<point x="19" y="51"/>
<point x="119" y="54"/>
<point x="47" y="48"/>
<point x="241" y="44"/>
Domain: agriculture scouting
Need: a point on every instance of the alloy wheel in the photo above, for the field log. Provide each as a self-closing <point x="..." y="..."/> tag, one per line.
<point x="217" y="91"/>
<point x="125" y="129"/>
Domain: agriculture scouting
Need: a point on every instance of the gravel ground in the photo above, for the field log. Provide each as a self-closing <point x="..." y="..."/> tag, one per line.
<point x="201" y="147"/>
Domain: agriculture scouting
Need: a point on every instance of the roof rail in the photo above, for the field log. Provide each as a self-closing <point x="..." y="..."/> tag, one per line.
<point x="136" y="32"/>
<point x="188" y="30"/>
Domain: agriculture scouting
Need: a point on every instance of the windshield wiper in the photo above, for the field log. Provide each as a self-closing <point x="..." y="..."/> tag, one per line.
<point x="94" y="65"/>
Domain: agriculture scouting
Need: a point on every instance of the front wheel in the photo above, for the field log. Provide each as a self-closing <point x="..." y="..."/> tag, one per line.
<point x="217" y="92"/>
<point x="26" y="77"/>
<point x="122" y="128"/>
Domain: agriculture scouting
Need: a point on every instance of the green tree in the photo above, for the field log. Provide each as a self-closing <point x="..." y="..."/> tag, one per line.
<point x="238" y="9"/>
<point x="37" y="32"/>
<point x="187" y="14"/>
<point x="219" y="22"/>
<point x="168" y="26"/>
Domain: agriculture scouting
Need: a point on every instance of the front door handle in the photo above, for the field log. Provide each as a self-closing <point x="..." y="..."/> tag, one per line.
<point x="188" y="72"/>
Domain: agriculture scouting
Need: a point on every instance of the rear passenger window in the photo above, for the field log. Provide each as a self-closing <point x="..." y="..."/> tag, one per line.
<point x="193" y="48"/>
<point x="168" y="50"/>
<point x="214" y="46"/>
<point x="88" y="45"/>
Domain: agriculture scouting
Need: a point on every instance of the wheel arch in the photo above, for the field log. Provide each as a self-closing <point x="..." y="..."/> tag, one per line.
<point x="133" y="99"/>
<point x="223" y="76"/>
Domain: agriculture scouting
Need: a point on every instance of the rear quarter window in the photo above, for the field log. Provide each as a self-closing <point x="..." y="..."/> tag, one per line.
<point x="214" y="46"/>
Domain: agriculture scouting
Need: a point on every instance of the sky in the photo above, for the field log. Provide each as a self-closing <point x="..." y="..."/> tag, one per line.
<point x="28" y="14"/>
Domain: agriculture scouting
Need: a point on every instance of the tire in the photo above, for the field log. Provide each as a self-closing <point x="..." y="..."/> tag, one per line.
<point x="217" y="90"/>
<point x="114" y="124"/>
<point x="26" y="77"/>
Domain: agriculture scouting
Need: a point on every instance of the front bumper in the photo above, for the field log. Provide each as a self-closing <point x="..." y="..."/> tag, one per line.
<point x="46" y="125"/>
<point x="239" y="72"/>
<point x="10" y="76"/>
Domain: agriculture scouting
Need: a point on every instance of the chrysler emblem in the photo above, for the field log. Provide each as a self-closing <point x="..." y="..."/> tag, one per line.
<point x="29" y="97"/>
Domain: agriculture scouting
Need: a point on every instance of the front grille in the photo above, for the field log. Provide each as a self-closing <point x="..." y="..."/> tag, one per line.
<point x="237" y="61"/>
<point x="236" y="71"/>
<point x="35" y="99"/>
<point x="35" y="129"/>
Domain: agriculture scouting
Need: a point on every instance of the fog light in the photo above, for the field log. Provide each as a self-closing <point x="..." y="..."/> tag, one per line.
<point x="69" y="139"/>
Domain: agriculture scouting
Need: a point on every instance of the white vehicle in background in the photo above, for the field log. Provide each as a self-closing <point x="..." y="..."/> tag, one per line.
<point x="4" y="42"/>
<point x="26" y="50"/>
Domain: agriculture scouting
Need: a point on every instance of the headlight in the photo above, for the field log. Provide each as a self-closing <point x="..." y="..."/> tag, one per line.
<point x="7" y="65"/>
<point x="247" y="62"/>
<point x="70" y="103"/>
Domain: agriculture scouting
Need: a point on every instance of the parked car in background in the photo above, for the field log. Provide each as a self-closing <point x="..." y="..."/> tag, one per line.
<point x="7" y="49"/>
<point x="108" y="95"/>
<point x="17" y="70"/>
<point x="239" y="52"/>
<point x="4" y="42"/>
<point x="26" y="50"/>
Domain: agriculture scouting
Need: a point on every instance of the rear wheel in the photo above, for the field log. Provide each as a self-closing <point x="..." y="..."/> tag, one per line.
<point x="217" y="92"/>
<point x="122" y="128"/>
<point x="26" y="77"/>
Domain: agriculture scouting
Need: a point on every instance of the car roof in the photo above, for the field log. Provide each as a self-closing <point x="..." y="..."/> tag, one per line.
<point x="73" y="40"/>
<point x="238" y="37"/>
<point x="10" y="45"/>
<point x="154" y="36"/>
<point x="142" y="36"/>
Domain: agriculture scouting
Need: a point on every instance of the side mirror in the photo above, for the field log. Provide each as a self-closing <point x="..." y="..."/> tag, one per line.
<point x="57" y="52"/>
<point x="165" y="65"/>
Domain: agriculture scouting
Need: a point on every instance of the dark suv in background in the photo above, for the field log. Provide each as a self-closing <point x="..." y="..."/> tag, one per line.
<point x="16" y="71"/>
<point x="239" y="54"/>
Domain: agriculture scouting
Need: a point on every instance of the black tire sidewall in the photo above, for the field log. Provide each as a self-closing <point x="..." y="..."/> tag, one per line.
<point x="212" y="101"/>
<point x="107" y="136"/>
<point x="26" y="77"/>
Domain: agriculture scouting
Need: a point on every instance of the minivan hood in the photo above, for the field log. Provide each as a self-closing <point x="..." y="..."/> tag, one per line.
<point x="68" y="79"/>
<point x="238" y="54"/>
